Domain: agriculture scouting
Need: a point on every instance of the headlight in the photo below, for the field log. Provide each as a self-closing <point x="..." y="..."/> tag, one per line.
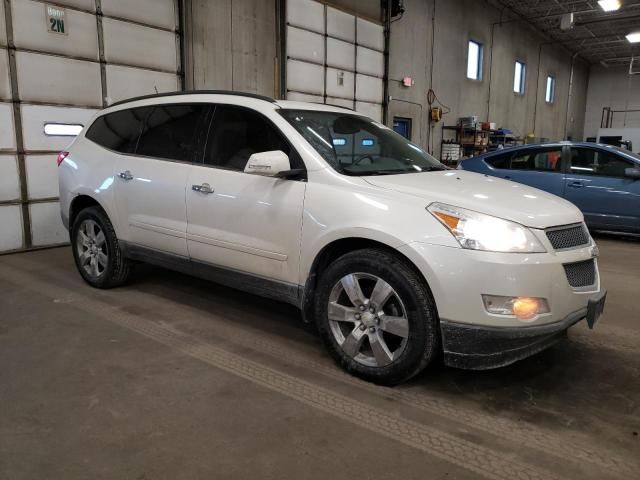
<point x="477" y="231"/>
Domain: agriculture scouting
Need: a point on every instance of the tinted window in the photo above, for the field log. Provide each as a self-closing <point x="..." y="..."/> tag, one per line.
<point x="500" y="161"/>
<point x="238" y="133"/>
<point x="119" y="131"/>
<point x="545" y="160"/>
<point x="170" y="131"/>
<point x="586" y="161"/>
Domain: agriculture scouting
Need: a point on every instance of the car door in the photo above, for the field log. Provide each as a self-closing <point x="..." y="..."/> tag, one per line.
<point x="245" y="222"/>
<point x="150" y="185"/>
<point x="539" y="167"/>
<point x="596" y="183"/>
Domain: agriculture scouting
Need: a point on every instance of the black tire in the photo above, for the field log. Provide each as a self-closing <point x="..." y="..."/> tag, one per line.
<point x="116" y="269"/>
<point x="422" y="344"/>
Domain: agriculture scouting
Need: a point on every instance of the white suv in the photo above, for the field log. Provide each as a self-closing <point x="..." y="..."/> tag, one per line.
<point x="395" y="258"/>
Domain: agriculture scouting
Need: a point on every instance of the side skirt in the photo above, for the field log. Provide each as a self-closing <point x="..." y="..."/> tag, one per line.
<point x="264" y="287"/>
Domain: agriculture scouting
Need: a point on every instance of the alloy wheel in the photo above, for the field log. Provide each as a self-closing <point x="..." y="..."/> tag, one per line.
<point x="368" y="319"/>
<point x="91" y="246"/>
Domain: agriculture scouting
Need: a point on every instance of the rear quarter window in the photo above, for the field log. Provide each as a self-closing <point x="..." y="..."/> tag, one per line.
<point x="119" y="130"/>
<point x="500" y="161"/>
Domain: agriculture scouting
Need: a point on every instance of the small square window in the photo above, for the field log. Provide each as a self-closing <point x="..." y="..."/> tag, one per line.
<point x="550" y="92"/>
<point x="474" y="61"/>
<point x="519" y="77"/>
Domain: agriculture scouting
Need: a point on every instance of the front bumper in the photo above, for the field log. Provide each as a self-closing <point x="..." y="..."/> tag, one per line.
<point x="474" y="338"/>
<point x="481" y="348"/>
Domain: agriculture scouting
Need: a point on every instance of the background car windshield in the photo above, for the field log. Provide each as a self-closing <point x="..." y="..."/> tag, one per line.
<point x="628" y="153"/>
<point x="356" y="145"/>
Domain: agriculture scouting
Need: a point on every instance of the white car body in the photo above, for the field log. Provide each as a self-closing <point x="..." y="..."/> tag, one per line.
<point x="274" y="229"/>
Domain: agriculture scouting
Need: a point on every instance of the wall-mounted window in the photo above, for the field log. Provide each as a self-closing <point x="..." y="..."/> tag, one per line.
<point x="519" y="76"/>
<point x="550" y="92"/>
<point x="62" y="129"/>
<point x="474" y="61"/>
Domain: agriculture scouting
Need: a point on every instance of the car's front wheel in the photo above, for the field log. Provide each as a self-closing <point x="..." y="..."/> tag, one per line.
<point x="96" y="250"/>
<point x="377" y="316"/>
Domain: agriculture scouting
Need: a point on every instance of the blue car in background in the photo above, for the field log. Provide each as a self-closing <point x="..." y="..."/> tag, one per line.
<point x="602" y="180"/>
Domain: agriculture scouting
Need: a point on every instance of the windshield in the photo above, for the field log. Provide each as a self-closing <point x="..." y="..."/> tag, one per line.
<point x="356" y="145"/>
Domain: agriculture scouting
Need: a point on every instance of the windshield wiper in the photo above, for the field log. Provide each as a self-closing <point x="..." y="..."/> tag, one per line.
<point x="436" y="168"/>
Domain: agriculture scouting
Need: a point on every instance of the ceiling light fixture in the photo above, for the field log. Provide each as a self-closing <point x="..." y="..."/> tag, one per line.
<point x="609" y="5"/>
<point x="634" y="37"/>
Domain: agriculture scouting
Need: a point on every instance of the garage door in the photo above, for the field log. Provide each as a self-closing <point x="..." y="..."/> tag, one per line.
<point x="59" y="64"/>
<point x="334" y="57"/>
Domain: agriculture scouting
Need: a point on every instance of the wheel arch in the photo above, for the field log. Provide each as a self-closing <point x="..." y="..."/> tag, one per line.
<point x="337" y="248"/>
<point x="79" y="203"/>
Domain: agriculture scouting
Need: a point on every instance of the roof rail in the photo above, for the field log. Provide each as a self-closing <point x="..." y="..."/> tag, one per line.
<point x="194" y="92"/>
<point x="335" y="105"/>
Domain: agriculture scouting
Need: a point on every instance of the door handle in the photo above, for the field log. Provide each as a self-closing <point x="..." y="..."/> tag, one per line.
<point x="204" y="188"/>
<point x="576" y="184"/>
<point x="126" y="175"/>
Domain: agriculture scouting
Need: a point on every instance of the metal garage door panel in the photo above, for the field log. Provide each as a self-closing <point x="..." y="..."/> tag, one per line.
<point x="9" y="179"/>
<point x="35" y="116"/>
<point x="42" y="176"/>
<point x="373" y="110"/>
<point x="303" y="97"/>
<point x="341" y="54"/>
<point x="30" y="32"/>
<point x="53" y="79"/>
<point x="5" y="82"/>
<point x="370" y="34"/>
<point x="132" y="44"/>
<point x="305" y="77"/>
<point x="369" y="89"/>
<point x="370" y="62"/>
<point x="11" y="231"/>
<point x="159" y="13"/>
<point x="46" y="225"/>
<point x="305" y="45"/>
<point x="306" y="14"/>
<point x="7" y="132"/>
<point x="3" y="26"/>
<point x="340" y="102"/>
<point x="341" y="25"/>
<point x="339" y="83"/>
<point x="89" y="5"/>
<point x="127" y="82"/>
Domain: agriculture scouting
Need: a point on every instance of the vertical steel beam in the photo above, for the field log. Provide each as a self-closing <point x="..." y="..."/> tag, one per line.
<point x="181" y="39"/>
<point x="17" y="122"/>
<point x="387" y="41"/>
<point x="103" y="62"/>
<point x="281" y="38"/>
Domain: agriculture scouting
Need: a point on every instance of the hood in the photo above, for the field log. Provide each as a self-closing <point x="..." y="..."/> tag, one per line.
<point x="493" y="196"/>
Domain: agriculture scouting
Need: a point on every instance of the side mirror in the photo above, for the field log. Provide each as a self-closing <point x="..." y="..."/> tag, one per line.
<point x="632" y="173"/>
<point x="268" y="164"/>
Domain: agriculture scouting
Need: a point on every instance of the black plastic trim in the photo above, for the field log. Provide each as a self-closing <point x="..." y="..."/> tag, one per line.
<point x="477" y="347"/>
<point x="264" y="287"/>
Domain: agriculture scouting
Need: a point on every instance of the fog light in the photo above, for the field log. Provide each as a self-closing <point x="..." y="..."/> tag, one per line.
<point x="524" y="308"/>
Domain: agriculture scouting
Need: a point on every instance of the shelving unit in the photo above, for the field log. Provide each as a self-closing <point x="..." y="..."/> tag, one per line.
<point x="474" y="141"/>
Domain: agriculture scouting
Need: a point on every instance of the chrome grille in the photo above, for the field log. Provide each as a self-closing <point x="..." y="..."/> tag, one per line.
<point x="581" y="274"/>
<point x="568" y="237"/>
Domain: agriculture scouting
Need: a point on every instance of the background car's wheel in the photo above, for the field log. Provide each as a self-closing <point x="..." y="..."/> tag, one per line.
<point x="376" y="316"/>
<point x="96" y="250"/>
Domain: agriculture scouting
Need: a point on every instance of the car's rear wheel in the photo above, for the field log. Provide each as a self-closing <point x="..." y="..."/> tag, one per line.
<point x="96" y="250"/>
<point x="376" y="316"/>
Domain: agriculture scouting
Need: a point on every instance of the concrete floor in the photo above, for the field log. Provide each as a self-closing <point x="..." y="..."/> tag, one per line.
<point x="173" y="377"/>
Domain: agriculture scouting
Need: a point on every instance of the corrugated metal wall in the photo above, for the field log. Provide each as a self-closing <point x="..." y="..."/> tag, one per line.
<point x="334" y="57"/>
<point x="110" y="50"/>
